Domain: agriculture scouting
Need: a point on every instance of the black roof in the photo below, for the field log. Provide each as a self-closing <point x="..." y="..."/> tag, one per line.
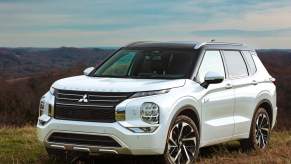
<point x="189" y="45"/>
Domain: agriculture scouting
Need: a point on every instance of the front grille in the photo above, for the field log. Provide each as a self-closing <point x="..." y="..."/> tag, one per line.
<point x="83" y="139"/>
<point x="87" y="106"/>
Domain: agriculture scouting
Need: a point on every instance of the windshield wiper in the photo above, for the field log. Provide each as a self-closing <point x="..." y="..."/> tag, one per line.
<point x="157" y="76"/>
<point x="108" y="76"/>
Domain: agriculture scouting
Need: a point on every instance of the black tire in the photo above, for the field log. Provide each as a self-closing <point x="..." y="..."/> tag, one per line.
<point x="259" y="133"/>
<point x="182" y="142"/>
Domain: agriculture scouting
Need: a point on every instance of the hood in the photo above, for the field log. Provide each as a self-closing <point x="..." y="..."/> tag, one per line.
<point x="100" y="84"/>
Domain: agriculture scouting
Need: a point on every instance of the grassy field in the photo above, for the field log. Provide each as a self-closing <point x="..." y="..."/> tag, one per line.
<point x="19" y="145"/>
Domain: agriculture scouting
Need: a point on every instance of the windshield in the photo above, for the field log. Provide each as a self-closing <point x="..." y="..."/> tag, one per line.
<point x="149" y="64"/>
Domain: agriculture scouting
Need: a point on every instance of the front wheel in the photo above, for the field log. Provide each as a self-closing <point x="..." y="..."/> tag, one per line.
<point x="182" y="142"/>
<point x="260" y="132"/>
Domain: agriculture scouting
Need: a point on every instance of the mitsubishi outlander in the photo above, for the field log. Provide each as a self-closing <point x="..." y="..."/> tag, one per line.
<point x="161" y="98"/>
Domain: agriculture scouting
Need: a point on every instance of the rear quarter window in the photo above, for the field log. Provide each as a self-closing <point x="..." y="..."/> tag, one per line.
<point x="250" y="61"/>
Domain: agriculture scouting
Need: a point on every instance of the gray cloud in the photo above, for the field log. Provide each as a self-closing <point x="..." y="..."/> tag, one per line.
<point x="87" y="22"/>
<point x="243" y="33"/>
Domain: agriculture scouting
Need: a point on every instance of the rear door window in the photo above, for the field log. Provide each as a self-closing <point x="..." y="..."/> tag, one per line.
<point x="235" y="63"/>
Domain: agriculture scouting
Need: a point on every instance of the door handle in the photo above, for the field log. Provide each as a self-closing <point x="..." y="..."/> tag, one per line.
<point x="254" y="82"/>
<point x="228" y="86"/>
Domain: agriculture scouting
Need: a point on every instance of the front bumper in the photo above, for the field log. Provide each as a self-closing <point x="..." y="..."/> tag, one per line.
<point x="131" y="143"/>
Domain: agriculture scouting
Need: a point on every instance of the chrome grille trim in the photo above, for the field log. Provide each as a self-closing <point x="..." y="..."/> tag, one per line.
<point x="85" y="105"/>
<point x="69" y="94"/>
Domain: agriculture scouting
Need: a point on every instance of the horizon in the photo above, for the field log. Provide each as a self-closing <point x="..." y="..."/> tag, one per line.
<point x="71" y="23"/>
<point x="111" y="47"/>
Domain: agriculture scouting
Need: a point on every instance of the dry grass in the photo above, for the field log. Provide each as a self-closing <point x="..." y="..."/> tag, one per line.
<point x="19" y="145"/>
<point x="279" y="151"/>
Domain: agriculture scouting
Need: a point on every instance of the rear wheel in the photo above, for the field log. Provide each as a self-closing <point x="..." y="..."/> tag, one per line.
<point x="260" y="132"/>
<point x="182" y="142"/>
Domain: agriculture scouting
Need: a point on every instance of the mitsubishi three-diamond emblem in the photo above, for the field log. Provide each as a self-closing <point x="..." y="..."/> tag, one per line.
<point x="84" y="99"/>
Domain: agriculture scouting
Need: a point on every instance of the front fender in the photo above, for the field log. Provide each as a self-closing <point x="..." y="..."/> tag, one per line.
<point x="181" y="104"/>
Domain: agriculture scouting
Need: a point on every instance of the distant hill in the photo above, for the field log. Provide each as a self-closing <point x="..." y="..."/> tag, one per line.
<point x="278" y="63"/>
<point x="22" y="62"/>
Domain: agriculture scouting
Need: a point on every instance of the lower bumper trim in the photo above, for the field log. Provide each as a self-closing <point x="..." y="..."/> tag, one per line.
<point x="58" y="147"/>
<point x="93" y="150"/>
<point x="81" y="149"/>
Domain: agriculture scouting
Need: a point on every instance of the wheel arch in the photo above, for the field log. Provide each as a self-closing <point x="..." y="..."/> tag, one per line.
<point x="189" y="111"/>
<point x="266" y="104"/>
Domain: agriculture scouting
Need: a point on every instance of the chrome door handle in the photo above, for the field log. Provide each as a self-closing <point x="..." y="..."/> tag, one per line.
<point x="254" y="82"/>
<point x="228" y="86"/>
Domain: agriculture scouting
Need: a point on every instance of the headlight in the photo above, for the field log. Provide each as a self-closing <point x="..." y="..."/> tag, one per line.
<point x="52" y="91"/>
<point x="150" y="93"/>
<point x="150" y="113"/>
<point x="45" y="107"/>
<point x="41" y="106"/>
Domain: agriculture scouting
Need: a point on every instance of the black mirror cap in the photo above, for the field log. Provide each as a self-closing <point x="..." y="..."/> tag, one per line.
<point x="206" y="83"/>
<point x="214" y="81"/>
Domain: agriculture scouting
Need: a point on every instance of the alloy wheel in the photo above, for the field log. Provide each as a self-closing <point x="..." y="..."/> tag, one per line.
<point x="182" y="143"/>
<point x="262" y="130"/>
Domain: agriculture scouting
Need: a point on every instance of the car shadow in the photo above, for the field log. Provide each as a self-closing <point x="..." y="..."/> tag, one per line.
<point x="205" y="153"/>
<point x="220" y="149"/>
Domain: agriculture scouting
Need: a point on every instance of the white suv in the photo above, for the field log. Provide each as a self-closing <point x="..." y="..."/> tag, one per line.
<point x="167" y="99"/>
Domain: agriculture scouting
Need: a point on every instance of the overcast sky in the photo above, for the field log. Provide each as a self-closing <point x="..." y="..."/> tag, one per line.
<point x="93" y="23"/>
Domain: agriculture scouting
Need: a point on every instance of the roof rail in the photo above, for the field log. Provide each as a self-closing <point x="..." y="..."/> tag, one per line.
<point x="197" y="46"/>
<point x="187" y="42"/>
<point x="216" y="43"/>
<point x="137" y="42"/>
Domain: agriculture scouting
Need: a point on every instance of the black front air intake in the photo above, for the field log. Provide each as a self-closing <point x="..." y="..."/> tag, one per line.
<point x="83" y="139"/>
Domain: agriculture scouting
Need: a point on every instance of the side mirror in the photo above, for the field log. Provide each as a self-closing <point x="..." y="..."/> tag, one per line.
<point x="212" y="78"/>
<point x="87" y="71"/>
